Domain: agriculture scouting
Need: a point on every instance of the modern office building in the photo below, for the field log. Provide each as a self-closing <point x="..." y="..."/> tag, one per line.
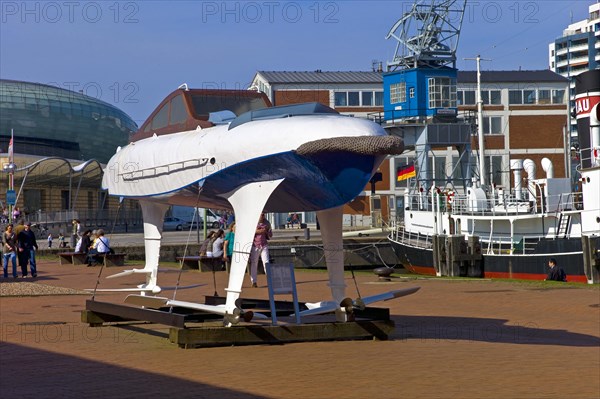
<point x="61" y="139"/>
<point x="51" y="121"/>
<point x="577" y="51"/>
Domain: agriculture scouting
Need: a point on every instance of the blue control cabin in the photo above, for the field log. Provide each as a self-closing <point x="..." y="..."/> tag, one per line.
<point x="419" y="94"/>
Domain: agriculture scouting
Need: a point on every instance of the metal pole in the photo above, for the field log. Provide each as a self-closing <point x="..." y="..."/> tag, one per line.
<point x="481" y="142"/>
<point x="11" y="172"/>
<point x="480" y="125"/>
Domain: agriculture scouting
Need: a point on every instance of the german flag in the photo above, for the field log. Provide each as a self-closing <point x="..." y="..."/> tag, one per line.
<point x="406" y="172"/>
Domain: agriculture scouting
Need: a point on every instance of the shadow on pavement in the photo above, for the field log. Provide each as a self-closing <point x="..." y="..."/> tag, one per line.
<point x="58" y="375"/>
<point x="440" y="328"/>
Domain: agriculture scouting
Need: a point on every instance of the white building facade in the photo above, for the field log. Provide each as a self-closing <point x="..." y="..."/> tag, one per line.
<point x="577" y="51"/>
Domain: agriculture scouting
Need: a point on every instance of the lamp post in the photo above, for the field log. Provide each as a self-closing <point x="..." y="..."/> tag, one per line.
<point x="10" y="193"/>
<point x="10" y="167"/>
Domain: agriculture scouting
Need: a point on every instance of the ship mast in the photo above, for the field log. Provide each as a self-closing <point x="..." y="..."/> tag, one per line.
<point x="481" y="142"/>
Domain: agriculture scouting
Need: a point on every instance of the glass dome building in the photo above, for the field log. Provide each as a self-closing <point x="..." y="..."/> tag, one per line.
<point x="49" y="121"/>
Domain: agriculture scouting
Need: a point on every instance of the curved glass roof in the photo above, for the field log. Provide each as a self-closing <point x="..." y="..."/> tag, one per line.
<point x="54" y="122"/>
<point x="60" y="172"/>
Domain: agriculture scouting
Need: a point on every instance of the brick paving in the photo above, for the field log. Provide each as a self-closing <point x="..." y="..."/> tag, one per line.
<point x="453" y="338"/>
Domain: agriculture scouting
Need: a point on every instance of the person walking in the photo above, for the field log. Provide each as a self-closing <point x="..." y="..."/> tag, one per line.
<point x="260" y="248"/>
<point x="27" y="246"/>
<point x="9" y="250"/>
<point x="50" y="240"/>
<point x="75" y="231"/>
<point x="22" y="257"/>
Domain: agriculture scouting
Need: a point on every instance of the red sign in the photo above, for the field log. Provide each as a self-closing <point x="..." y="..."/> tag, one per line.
<point x="584" y="105"/>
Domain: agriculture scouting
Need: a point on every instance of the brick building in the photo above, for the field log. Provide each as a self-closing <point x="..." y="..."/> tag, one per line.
<point x="525" y="115"/>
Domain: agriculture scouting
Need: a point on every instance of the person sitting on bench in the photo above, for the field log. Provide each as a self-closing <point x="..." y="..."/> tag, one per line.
<point x="293" y="219"/>
<point x="101" y="246"/>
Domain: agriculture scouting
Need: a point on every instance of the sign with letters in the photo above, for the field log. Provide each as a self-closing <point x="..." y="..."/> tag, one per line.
<point x="11" y="197"/>
<point x="281" y="279"/>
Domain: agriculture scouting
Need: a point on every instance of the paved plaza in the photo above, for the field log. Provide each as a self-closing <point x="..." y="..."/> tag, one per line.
<point x="453" y="338"/>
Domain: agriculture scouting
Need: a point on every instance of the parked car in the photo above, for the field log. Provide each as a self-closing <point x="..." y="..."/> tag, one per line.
<point x="175" y="224"/>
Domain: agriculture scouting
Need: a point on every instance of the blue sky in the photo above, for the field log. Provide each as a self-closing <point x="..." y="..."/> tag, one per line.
<point x="133" y="53"/>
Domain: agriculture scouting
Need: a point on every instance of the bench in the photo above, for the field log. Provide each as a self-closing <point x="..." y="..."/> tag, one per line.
<point x="78" y="258"/>
<point x="72" y="258"/>
<point x="202" y="263"/>
<point x="113" y="259"/>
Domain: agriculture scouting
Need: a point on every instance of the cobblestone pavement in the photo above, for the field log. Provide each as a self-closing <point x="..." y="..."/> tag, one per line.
<point x="453" y="339"/>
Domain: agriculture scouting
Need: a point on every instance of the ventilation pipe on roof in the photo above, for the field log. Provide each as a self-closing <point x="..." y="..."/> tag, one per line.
<point x="548" y="168"/>
<point x="516" y="165"/>
<point x="529" y="167"/>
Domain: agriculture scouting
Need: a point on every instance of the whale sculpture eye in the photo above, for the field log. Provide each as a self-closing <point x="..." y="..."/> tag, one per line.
<point x="212" y="161"/>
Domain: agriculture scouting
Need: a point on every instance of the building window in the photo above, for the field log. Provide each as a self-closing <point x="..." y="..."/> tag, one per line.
<point x="358" y="98"/>
<point x="528" y="96"/>
<point x="398" y="93"/>
<point x="532" y="96"/>
<point x="491" y="97"/>
<point x="544" y="97"/>
<point x="492" y="125"/>
<point x="558" y="96"/>
<point x="515" y="96"/>
<point x="102" y="200"/>
<point x="65" y="199"/>
<point x="411" y="92"/>
<point x="340" y="99"/>
<point x="442" y="93"/>
<point x="367" y="98"/>
<point x="466" y="97"/>
<point x="457" y="173"/>
<point x="353" y="99"/>
<point x="494" y="169"/>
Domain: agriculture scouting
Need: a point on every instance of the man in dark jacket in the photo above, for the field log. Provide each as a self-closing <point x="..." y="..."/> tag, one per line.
<point x="27" y="246"/>
<point x="86" y="243"/>
<point x="556" y="273"/>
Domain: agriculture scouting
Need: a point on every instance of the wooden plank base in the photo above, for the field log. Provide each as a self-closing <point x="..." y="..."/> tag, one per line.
<point x="198" y="330"/>
<point x="213" y="336"/>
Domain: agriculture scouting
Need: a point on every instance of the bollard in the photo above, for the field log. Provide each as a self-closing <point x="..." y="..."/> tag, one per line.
<point x="307" y="233"/>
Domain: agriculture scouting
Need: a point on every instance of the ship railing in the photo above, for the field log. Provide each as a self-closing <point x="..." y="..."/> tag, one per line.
<point x="412" y="238"/>
<point x="505" y="205"/>
<point x="504" y="244"/>
<point x="463" y="205"/>
<point x="589" y="157"/>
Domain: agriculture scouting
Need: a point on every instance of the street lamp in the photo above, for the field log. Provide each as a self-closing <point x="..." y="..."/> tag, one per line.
<point x="11" y="197"/>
